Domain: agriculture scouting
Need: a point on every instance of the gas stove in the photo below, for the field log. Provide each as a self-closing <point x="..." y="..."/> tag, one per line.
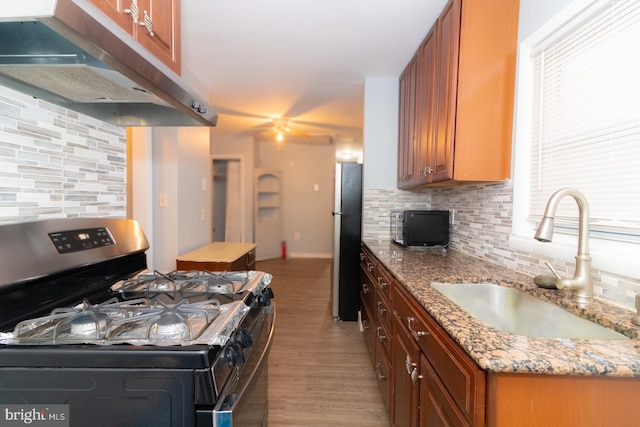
<point x="82" y="315"/>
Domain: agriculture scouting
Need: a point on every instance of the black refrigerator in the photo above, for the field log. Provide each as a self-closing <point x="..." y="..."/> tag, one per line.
<point x="347" y="213"/>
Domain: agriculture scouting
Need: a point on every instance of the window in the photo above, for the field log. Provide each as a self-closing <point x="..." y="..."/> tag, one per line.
<point x="578" y="125"/>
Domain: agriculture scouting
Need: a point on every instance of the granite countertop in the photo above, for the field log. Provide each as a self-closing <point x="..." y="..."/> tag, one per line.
<point x="218" y="252"/>
<point x="497" y="351"/>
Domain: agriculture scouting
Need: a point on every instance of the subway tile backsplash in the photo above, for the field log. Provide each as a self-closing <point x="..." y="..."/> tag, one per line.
<point x="482" y="228"/>
<point x="56" y="163"/>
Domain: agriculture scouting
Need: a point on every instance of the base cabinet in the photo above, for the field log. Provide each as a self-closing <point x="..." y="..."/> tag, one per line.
<point x="374" y="320"/>
<point x="453" y="385"/>
<point x="424" y="377"/>
<point x="428" y="380"/>
<point x="406" y="379"/>
<point x="531" y="400"/>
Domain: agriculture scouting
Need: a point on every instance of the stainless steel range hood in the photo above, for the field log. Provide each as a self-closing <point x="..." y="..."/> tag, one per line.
<point x="68" y="53"/>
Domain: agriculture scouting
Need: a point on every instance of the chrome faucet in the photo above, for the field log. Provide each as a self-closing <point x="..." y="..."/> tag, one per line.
<point x="581" y="283"/>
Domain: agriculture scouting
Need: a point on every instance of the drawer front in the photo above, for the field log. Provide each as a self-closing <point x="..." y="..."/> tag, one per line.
<point x="383" y="311"/>
<point x="383" y="335"/>
<point x="384" y="282"/>
<point x="409" y="314"/>
<point x="367" y="291"/>
<point x="368" y="263"/>
<point x="465" y="381"/>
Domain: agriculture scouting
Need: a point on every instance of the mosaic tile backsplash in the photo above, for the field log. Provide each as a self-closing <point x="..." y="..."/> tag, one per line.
<point x="482" y="228"/>
<point x="56" y="163"/>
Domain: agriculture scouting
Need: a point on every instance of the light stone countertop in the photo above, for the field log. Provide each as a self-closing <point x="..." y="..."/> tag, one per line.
<point x="497" y="351"/>
<point x="218" y="252"/>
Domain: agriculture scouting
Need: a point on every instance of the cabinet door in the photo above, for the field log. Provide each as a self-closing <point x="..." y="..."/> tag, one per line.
<point x="406" y="378"/>
<point x="448" y="40"/>
<point x="426" y="109"/>
<point x="159" y="30"/>
<point x="407" y="125"/>
<point x="437" y="409"/>
<point x="119" y="11"/>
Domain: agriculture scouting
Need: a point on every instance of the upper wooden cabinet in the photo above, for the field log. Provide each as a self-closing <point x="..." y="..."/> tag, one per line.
<point x="155" y="24"/>
<point x="465" y="78"/>
<point x="407" y="136"/>
<point x="119" y="11"/>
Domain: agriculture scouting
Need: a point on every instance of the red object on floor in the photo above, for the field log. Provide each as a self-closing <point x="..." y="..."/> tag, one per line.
<point x="284" y="250"/>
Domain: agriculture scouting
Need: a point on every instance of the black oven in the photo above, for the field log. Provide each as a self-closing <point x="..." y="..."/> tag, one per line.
<point x="89" y="335"/>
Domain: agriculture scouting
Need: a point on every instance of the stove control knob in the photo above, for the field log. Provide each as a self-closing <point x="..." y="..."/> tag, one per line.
<point x="265" y="297"/>
<point x="235" y="356"/>
<point x="243" y="338"/>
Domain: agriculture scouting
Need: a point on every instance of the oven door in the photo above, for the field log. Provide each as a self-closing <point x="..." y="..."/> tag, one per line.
<point x="244" y="402"/>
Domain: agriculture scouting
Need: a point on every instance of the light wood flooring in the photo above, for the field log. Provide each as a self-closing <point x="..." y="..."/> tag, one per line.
<point x="320" y="372"/>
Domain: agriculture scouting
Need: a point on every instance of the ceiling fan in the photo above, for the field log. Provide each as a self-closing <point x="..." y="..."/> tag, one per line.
<point x="281" y="128"/>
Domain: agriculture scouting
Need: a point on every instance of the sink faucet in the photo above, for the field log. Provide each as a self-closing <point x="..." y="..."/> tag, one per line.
<point x="581" y="282"/>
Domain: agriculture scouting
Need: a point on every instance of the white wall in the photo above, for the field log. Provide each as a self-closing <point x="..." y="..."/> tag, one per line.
<point x="380" y="132"/>
<point x="171" y="161"/>
<point x="306" y="211"/>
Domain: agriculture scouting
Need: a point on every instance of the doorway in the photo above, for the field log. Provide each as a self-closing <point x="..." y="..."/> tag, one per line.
<point x="227" y="201"/>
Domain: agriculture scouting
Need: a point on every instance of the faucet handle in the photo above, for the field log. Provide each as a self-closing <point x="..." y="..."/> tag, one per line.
<point x="559" y="280"/>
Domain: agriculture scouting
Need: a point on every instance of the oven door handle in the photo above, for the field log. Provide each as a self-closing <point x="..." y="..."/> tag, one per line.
<point x="233" y="392"/>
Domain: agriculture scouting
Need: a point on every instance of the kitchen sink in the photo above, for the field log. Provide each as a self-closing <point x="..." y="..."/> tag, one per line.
<point x="516" y="312"/>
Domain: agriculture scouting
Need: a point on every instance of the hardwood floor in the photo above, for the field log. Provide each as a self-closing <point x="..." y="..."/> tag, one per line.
<point x="320" y="372"/>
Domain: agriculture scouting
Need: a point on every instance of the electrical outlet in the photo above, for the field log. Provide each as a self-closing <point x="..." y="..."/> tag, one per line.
<point x="163" y="200"/>
<point x="453" y="216"/>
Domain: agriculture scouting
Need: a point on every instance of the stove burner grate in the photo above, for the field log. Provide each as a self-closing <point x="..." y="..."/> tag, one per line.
<point x="141" y="320"/>
<point x="184" y="284"/>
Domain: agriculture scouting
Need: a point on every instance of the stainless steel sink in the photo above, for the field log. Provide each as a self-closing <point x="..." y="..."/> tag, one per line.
<point x="516" y="312"/>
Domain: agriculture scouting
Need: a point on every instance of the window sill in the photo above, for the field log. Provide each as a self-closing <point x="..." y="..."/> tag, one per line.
<point x="614" y="257"/>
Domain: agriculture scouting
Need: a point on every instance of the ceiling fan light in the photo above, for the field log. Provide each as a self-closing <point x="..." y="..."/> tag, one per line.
<point x="279" y="136"/>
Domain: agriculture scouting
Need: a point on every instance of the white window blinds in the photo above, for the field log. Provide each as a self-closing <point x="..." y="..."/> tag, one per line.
<point x="586" y="116"/>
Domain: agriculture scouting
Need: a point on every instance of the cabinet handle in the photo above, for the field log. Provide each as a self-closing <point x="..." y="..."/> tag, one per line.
<point x="361" y="256"/>
<point x="381" y="377"/>
<point x="415" y="334"/>
<point x="369" y="266"/>
<point x="365" y="324"/>
<point x="365" y="289"/>
<point x="381" y="283"/>
<point x="147" y="23"/>
<point x="415" y="376"/>
<point x="379" y="335"/>
<point x="409" y="365"/>
<point x="381" y="309"/>
<point x="133" y="11"/>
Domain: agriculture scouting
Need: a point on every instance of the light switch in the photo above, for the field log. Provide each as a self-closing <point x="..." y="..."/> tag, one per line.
<point x="163" y="200"/>
<point x="204" y="184"/>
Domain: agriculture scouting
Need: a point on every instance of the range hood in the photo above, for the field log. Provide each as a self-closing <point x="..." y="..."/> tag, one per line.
<point x="68" y="53"/>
